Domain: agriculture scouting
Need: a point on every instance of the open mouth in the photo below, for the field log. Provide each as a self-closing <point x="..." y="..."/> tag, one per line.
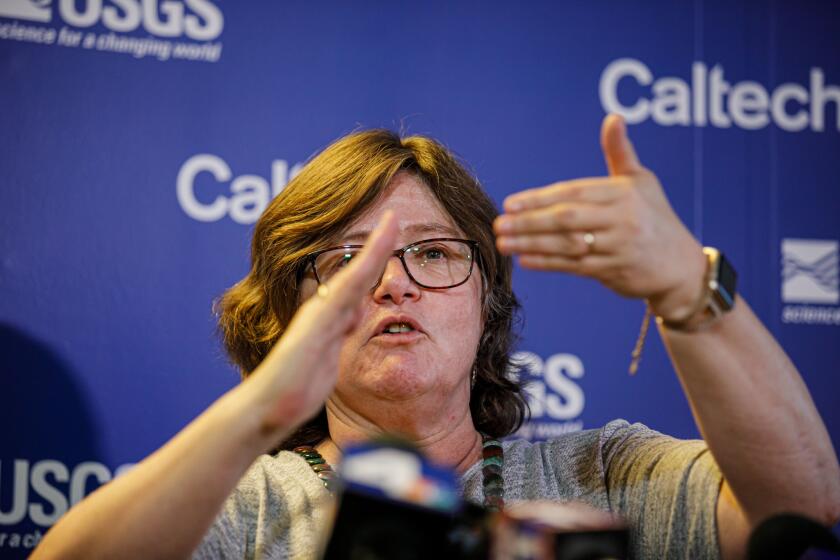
<point x="400" y="329"/>
<point x="397" y="328"/>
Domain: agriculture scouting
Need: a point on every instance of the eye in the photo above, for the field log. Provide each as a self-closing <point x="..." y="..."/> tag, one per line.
<point x="435" y="253"/>
<point x="332" y="261"/>
<point x="344" y="259"/>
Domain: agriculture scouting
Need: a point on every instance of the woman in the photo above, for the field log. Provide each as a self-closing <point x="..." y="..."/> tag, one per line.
<point x="338" y="345"/>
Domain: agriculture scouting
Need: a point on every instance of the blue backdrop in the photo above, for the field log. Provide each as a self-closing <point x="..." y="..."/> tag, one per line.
<point x="140" y="140"/>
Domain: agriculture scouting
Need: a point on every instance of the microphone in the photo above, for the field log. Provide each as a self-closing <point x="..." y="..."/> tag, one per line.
<point x="394" y="503"/>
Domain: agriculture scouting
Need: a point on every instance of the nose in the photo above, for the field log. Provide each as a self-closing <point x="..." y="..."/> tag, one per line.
<point x="395" y="285"/>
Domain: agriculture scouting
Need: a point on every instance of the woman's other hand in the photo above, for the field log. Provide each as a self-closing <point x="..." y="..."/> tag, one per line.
<point x="163" y="507"/>
<point x="618" y="229"/>
<point x="295" y="379"/>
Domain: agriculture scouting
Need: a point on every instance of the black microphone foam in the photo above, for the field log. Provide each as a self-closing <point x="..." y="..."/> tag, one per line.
<point x="787" y="536"/>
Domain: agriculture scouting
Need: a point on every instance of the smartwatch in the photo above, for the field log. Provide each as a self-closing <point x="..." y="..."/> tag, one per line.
<point x="718" y="297"/>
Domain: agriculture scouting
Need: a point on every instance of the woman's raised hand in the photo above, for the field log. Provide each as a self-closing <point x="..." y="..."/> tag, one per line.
<point x="618" y="229"/>
<point x="166" y="503"/>
<point x="295" y="379"/>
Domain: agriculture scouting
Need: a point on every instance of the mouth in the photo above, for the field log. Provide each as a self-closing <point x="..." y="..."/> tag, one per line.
<point x="398" y="329"/>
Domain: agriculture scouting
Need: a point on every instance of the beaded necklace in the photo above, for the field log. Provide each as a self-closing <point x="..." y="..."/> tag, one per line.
<point x="492" y="465"/>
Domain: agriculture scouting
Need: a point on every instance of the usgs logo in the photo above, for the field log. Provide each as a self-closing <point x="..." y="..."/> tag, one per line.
<point x="200" y="20"/>
<point x="708" y="99"/>
<point x="554" y="394"/>
<point x="243" y="197"/>
<point x="54" y="487"/>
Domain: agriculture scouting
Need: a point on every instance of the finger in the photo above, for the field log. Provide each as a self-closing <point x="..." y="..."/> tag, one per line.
<point x="571" y="244"/>
<point x="556" y="218"/>
<point x="595" y="190"/>
<point x="618" y="149"/>
<point x="589" y="265"/>
<point x="365" y="269"/>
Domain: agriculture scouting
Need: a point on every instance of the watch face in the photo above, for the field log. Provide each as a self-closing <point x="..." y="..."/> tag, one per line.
<point x="727" y="280"/>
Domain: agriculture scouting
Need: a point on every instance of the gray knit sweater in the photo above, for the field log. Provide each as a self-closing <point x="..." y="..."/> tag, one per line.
<point x="666" y="489"/>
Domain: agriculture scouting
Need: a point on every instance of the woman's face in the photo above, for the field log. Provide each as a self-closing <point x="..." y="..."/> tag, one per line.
<point x="434" y="361"/>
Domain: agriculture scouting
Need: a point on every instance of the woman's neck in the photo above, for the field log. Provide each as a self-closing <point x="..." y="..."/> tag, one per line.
<point x="455" y="444"/>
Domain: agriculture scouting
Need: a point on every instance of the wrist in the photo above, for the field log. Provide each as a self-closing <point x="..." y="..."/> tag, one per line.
<point x="265" y="421"/>
<point x="713" y="297"/>
<point x="717" y="295"/>
<point x="681" y="302"/>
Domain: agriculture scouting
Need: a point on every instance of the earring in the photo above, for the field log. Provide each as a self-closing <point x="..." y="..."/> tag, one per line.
<point x="474" y="374"/>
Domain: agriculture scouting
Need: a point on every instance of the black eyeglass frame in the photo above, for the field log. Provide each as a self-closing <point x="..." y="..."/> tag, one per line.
<point x="309" y="259"/>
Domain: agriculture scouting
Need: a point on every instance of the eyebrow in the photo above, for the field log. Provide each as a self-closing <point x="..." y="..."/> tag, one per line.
<point x="435" y="227"/>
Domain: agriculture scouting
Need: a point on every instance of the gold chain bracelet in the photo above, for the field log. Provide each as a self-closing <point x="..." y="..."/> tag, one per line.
<point x="685" y="325"/>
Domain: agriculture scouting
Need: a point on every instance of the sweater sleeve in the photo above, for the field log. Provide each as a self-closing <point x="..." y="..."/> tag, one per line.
<point x="278" y="510"/>
<point x="665" y="488"/>
<point x="232" y="533"/>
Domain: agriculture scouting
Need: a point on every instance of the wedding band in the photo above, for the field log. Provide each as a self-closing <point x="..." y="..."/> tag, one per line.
<point x="323" y="291"/>
<point x="589" y="239"/>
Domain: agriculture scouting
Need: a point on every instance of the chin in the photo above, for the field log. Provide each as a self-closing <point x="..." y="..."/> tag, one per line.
<point x="395" y="379"/>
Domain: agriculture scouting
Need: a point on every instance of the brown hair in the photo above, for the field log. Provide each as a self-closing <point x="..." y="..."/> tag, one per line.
<point x="331" y="191"/>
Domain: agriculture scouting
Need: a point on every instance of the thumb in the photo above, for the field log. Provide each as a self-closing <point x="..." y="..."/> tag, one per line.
<point x="618" y="149"/>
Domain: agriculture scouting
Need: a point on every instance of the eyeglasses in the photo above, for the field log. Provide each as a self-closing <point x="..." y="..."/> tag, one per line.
<point x="438" y="263"/>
